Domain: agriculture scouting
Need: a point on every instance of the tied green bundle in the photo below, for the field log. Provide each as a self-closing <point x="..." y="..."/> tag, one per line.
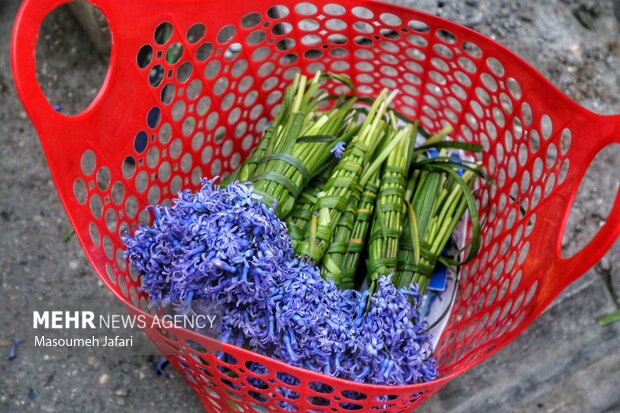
<point x="333" y="260"/>
<point x="340" y="261"/>
<point x="361" y="224"/>
<point x="439" y="192"/>
<point x="297" y="146"/>
<point x="387" y="224"/>
<point x="343" y="184"/>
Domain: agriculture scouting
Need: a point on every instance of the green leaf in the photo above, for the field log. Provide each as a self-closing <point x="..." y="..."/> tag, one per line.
<point x="413" y="232"/>
<point x="385" y="152"/>
<point x="424" y="200"/>
<point x="610" y="318"/>
<point x="469" y="147"/>
<point x="438" y="163"/>
<point x="437" y="137"/>
<point x="340" y="78"/>
<point x="68" y="235"/>
<point x="470" y="202"/>
<point x="316" y="138"/>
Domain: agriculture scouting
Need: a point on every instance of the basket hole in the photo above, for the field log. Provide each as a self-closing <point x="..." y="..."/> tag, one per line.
<point x="111" y="220"/>
<point x="163" y="172"/>
<point x="338" y="24"/>
<point x="250" y="20"/>
<point x="281" y="28"/>
<point x="154" y="195"/>
<point x="350" y="406"/>
<point x="174" y="53"/>
<point x="258" y="383"/>
<point x="287" y="378"/>
<point x="165" y="133"/>
<point x="226" y="34"/>
<point x="390" y="19"/>
<point x="472" y="49"/>
<point x="277" y="12"/>
<point x="103" y="178"/>
<point x="363" y="27"/>
<point x="88" y="162"/>
<point x="334" y="9"/>
<point x="79" y="191"/>
<point x="204" y="51"/>
<point x="131" y="206"/>
<point x="73" y="39"/>
<point x="287" y="406"/>
<point x="140" y="141"/>
<point x="306" y="9"/>
<point x="108" y="248"/>
<point x="184" y="72"/>
<point x="93" y="231"/>
<point x="597" y="183"/>
<point x="96" y="207"/>
<point x="178" y="110"/>
<point x="144" y="56"/>
<point x="163" y="33"/>
<point x="256" y="367"/>
<point x="496" y="67"/>
<point x="259" y="408"/>
<point x="318" y="401"/>
<point x="257" y="396"/>
<point x="230" y="384"/>
<point x="153" y="118"/>
<point x="417" y="25"/>
<point x="321" y="387"/>
<point x="256" y="37"/>
<point x="167" y="93"/>
<point x="288" y="393"/>
<point x="142" y="181"/>
<point x="526" y="113"/>
<point x="156" y="75"/>
<point x="196" y="176"/>
<point x="565" y="141"/>
<point x="546" y="125"/>
<point x="195" y="32"/>
<point x="354" y="395"/>
<point x="120" y="260"/>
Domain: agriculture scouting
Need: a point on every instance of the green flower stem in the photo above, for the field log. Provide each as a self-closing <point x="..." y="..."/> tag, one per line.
<point x="436" y="198"/>
<point x="297" y="221"/>
<point x="336" y="256"/>
<point x="333" y="200"/>
<point x="333" y="260"/>
<point x="246" y="170"/>
<point x="289" y="161"/>
<point x="388" y="223"/>
<point x="363" y="216"/>
<point x="610" y="318"/>
<point x="449" y="206"/>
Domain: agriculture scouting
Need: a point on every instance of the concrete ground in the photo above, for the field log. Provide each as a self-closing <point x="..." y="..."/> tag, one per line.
<point x="565" y="362"/>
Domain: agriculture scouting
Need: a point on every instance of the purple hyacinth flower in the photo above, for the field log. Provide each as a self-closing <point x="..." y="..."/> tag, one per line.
<point x="338" y="149"/>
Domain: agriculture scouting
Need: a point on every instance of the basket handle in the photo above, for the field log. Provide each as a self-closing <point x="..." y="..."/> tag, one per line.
<point x="23" y="46"/>
<point x="573" y="267"/>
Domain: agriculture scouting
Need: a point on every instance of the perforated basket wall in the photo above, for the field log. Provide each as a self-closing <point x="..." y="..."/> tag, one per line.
<point x="192" y="85"/>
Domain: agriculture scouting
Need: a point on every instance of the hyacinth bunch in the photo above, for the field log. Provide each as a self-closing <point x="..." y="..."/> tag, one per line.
<point x="225" y="246"/>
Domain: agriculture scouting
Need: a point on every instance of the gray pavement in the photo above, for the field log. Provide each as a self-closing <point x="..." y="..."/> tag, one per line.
<point x="565" y="362"/>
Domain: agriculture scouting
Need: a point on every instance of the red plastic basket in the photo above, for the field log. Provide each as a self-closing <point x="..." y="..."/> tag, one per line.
<point x="158" y="126"/>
